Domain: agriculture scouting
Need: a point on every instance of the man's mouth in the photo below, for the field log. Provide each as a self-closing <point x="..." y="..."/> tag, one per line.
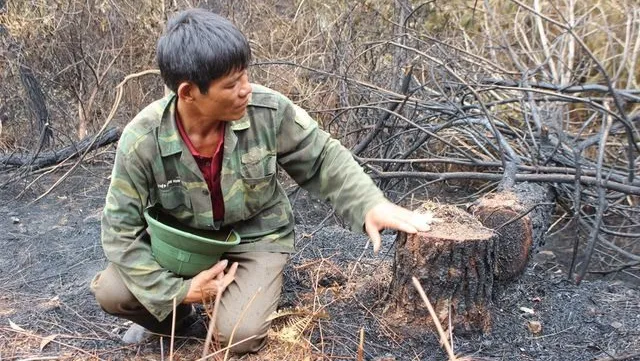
<point x="243" y="105"/>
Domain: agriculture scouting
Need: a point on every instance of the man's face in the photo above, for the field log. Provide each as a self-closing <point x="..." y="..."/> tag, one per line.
<point x="227" y="98"/>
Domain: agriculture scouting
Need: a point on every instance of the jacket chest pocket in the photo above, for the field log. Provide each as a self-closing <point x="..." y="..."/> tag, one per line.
<point x="257" y="164"/>
<point x="174" y="199"/>
<point x="259" y="181"/>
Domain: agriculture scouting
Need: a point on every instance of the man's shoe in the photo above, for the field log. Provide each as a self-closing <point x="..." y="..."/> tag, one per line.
<point x="185" y="327"/>
<point x="193" y="325"/>
<point x="136" y="334"/>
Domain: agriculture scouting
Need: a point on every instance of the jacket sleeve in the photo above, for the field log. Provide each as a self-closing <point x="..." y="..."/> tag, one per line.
<point x="124" y="238"/>
<point x="324" y="167"/>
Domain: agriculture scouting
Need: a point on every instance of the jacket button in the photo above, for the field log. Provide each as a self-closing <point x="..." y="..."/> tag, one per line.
<point x="205" y="192"/>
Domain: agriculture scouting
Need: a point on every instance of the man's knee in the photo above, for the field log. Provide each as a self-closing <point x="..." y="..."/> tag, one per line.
<point x="110" y="292"/>
<point x="250" y="335"/>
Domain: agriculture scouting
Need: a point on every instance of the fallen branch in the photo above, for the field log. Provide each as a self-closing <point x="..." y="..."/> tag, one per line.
<point x="554" y="178"/>
<point x="54" y="157"/>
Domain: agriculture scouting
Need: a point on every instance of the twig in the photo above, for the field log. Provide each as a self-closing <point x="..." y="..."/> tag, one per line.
<point x="392" y="108"/>
<point x="628" y="356"/>
<point x="226" y="348"/>
<point x="29" y="334"/>
<point x="443" y="336"/>
<point x="602" y="201"/>
<point x="523" y="214"/>
<point x="233" y="332"/>
<point x="212" y="323"/>
<point x="630" y="94"/>
<point x="622" y="115"/>
<point x="173" y="330"/>
<point x="576" y="205"/>
<point x="617" y="269"/>
<point x="361" y="345"/>
<point x="619" y="177"/>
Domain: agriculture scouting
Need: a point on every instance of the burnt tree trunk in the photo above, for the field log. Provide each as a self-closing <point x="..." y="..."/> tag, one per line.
<point x="454" y="262"/>
<point x="520" y="217"/>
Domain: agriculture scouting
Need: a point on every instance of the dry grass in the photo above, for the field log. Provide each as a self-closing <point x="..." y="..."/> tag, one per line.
<point x="293" y="336"/>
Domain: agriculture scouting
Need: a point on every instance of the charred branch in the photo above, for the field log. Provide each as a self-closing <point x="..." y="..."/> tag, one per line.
<point x="109" y="136"/>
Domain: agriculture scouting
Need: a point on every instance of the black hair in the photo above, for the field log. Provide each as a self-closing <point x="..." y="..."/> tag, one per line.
<point x="199" y="46"/>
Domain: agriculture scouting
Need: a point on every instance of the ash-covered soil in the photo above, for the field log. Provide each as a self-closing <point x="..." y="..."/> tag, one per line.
<point x="50" y="251"/>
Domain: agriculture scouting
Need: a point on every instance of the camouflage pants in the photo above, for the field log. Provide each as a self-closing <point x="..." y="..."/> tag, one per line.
<point x="256" y="270"/>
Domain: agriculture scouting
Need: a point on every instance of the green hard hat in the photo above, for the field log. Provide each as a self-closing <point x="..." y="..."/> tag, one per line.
<point x="185" y="250"/>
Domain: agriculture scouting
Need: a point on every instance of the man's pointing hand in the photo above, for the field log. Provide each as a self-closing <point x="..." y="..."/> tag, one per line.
<point x="390" y="216"/>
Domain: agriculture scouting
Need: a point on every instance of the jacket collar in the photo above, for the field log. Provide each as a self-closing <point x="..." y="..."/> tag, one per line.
<point x="169" y="139"/>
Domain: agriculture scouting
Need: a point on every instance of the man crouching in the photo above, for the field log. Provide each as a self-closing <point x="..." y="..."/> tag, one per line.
<point x="206" y="155"/>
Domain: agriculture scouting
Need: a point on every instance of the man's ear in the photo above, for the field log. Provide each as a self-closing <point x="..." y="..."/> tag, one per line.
<point x="186" y="91"/>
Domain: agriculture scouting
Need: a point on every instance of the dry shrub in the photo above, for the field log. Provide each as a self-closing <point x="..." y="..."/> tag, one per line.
<point x="78" y="51"/>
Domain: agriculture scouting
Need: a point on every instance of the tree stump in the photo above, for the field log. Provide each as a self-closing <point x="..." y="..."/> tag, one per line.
<point x="454" y="263"/>
<point x="520" y="218"/>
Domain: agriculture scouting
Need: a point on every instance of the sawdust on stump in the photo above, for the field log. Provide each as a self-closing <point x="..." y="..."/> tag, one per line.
<point x="454" y="263"/>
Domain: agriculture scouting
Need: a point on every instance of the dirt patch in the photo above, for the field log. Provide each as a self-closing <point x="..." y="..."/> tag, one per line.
<point x="51" y="250"/>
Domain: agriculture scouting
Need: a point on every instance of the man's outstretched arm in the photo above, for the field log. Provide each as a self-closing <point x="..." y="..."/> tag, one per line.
<point x="327" y="169"/>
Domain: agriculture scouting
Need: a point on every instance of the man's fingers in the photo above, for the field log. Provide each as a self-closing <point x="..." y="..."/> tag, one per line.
<point x="405" y="227"/>
<point x="431" y="218"/>
<point x="232" y="270"/>
<point x="217" y="268"/>
<point x="422" y="221"/>
<point x="374" y="235"/>
<point x="229" y="276"/>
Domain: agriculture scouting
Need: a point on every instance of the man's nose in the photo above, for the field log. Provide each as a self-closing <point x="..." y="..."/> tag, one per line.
<point x="246" y="88"/>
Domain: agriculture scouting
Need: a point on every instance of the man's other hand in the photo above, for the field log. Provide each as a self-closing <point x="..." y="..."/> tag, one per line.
<point x="390" y="216"/>
<point x="209" y="283"/>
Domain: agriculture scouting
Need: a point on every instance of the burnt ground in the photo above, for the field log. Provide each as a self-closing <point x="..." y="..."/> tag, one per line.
<point x="50" y="250"/>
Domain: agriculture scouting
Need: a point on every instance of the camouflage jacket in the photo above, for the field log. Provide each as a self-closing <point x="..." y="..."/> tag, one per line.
<point x="153" y="166"/>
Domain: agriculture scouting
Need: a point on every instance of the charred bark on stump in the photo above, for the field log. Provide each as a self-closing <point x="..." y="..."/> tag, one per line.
<point x="454" y="262"/>
<point x="520" y="218"/>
